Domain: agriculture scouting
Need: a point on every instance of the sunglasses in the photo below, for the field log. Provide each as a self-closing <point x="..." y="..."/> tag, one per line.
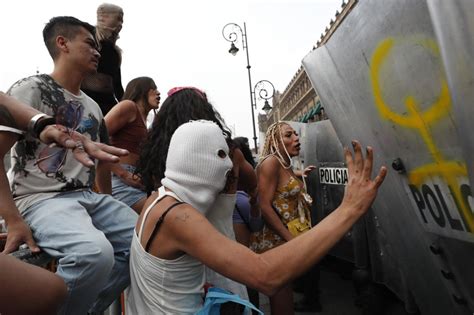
<point x="52" y="158"/>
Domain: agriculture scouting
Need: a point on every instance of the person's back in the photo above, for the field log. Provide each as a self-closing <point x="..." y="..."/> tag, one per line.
<point x="159" y="285"/>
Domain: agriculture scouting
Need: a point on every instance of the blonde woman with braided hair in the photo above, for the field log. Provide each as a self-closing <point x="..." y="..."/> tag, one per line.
<point x="282" y="198"/>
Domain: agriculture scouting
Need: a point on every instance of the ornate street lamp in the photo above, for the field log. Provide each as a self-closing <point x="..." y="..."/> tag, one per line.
<point x="231" y="33"/>
<point x="265" y="91"/>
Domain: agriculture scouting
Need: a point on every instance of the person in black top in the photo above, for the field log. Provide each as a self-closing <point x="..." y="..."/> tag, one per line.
<point x="105" y="87"/>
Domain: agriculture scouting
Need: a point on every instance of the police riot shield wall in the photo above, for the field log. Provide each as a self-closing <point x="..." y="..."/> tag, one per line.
<point x="383" y="79"/>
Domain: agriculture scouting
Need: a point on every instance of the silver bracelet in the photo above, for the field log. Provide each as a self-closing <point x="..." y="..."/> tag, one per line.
<point x="32" y="123"/>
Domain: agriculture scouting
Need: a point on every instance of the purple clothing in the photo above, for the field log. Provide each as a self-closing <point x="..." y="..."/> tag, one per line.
<point x="242" y="213"/>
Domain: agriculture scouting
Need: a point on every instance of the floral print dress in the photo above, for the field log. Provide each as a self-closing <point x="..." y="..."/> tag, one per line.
<point x="286" y="201"/>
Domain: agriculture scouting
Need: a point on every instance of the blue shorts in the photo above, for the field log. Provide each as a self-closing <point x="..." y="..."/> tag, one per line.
<point x="127" y="194"/>
<point x="242" y="202"/>
<point x="242" y="215"/>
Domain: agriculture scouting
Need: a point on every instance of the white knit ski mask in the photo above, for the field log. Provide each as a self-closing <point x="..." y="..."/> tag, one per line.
<point x="195" y="171"/>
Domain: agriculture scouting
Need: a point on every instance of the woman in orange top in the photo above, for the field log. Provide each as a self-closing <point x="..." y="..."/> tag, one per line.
<point x="282" y="199"/>
<point x="126" y="124"/>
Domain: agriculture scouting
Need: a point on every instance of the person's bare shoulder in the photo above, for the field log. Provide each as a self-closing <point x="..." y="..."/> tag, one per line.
<point x="270" y="164"/>
<point x="127" y="106"/>
<point x="124" y="112"/>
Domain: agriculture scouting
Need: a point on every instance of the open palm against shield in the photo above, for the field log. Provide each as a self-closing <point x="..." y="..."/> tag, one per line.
<point x="52" y="158"/>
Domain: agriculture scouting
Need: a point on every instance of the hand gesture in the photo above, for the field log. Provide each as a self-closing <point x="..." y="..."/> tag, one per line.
<point x="307" y="170"/>
<point x="83" y="148"/>
<point x="361" y="190"/>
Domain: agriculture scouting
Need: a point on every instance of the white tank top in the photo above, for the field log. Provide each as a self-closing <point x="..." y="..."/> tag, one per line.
<point x="162" y="286"/>
<point x="220" y="216"/>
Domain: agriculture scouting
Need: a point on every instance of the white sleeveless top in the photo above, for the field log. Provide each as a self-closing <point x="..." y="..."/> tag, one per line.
<point x="220" y="216"/>
<point x="162" y="286"/>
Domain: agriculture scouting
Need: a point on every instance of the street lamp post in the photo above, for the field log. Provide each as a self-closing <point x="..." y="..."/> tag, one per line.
<point x="265" y="91"/>
<point x="230" y="33"/>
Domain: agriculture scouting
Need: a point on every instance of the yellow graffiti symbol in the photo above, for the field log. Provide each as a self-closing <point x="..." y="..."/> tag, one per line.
<point x="421" y="121"/>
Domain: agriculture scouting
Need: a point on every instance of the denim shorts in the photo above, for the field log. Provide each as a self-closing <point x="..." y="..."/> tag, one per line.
<point x="127" y="194"/>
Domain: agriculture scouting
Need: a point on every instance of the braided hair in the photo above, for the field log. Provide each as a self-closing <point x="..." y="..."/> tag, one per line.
<point x="273" y="138"/>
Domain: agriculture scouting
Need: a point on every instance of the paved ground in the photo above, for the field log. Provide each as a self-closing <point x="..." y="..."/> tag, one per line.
<point x="337" y="296"/>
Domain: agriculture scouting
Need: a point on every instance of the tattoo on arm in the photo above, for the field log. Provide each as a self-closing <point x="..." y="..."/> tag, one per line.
<point x="182" y="217"/>
<point x="6" y="118"/>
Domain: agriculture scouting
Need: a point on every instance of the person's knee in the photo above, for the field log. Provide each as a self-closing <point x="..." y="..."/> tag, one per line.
<point x="97" y="257"/>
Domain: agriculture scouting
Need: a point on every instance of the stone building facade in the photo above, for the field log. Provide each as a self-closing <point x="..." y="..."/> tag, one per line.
<point x="299" y="101"/>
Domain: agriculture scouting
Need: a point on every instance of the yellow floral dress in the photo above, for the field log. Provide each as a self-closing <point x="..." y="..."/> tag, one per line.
<point x="286" y="201"/>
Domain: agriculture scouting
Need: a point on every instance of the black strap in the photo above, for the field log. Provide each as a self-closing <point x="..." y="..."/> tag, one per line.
<point x="158" y="224"/>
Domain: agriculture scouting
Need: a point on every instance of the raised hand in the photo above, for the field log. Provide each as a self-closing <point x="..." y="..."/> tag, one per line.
<point x="308" y="170"/>
<point x="361" y="189"/>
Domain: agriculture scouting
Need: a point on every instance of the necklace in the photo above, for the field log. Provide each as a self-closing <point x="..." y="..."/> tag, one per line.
<point x="282" y="162"/>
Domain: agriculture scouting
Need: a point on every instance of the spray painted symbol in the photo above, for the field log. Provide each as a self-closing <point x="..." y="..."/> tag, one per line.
<point x="421" y="121"/>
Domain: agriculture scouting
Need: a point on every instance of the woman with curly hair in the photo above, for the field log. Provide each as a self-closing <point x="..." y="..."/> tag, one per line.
<point x="183" y="105"/>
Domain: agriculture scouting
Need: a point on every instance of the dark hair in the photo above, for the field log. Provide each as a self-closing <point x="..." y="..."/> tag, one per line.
<point x="138" y="88"/>
<point x="243" y="144"/>
<point x="66" y="26"/>
<point x="177" y="109"/>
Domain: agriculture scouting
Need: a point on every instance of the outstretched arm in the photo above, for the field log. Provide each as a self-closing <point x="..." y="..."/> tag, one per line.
<point x="271" y="270"/>
<point x="16" y="114"/>
<point x="15" y="117"/>
<point x="83" y="148"/>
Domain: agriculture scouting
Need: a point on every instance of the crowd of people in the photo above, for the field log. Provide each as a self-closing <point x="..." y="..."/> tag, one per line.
<point x="160" y="214"/>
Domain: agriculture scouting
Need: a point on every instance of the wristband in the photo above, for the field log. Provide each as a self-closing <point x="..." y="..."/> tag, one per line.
<point x="41" y="124"/>
<point x="31" y="124"/>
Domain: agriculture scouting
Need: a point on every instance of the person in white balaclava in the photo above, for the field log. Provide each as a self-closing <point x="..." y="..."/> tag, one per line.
<point x="173" y="240"/>
<point x="182" y="105"/>
<point x="105" y="87"/>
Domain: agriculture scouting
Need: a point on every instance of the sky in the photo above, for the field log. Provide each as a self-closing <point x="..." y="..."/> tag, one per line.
<point x="180" y="42"/>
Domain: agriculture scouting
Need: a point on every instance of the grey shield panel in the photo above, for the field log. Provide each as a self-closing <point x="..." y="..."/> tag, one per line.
<point x="453" y="23"/>
<point x="386" y="79"/>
